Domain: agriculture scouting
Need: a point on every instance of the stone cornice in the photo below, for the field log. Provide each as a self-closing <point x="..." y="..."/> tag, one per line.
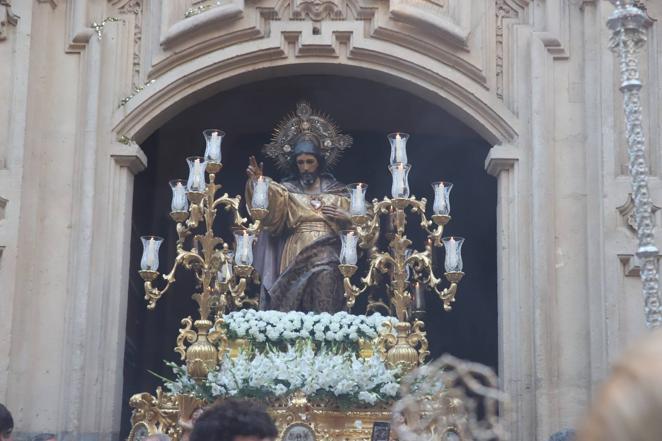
<point x="500" y="158"/>
<point x="129" y="155"/>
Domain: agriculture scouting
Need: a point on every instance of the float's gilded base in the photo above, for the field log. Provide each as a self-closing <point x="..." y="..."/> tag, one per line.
<point x="295" y="417"/>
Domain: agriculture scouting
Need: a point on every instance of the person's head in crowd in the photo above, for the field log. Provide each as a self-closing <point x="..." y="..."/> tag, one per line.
<point x="158" y="436"/>
<point x="234" y="420"/>
<point x="629" y="404"/>
<point x="44" y="437"/>
<point x="6" y="424"/>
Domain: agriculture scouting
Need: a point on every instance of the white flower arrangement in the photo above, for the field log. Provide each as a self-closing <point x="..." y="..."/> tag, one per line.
<point x="280" y="373"/>
<point x="275" y="326"/>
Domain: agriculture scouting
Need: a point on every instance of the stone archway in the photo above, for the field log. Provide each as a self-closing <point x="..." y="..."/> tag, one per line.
<point x="164" y="101"/>
<point x="441" y="148"/>
<point x="168" y="95"/>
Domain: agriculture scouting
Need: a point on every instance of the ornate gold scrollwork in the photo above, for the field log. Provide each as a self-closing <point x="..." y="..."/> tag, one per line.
<point x="185" y="333"/>
<point x="156" y="414"/>
<point x="207" y="347"/>
<point x="406" y="348"/>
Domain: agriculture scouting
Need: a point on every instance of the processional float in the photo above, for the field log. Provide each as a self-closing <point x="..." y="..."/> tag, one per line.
<point x="284" y="358"/>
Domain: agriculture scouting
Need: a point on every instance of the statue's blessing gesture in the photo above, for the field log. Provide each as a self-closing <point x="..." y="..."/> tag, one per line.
<point x="297" y="253"/>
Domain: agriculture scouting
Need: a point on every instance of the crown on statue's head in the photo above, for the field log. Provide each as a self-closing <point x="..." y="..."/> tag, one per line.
<point x="306" y="124"/>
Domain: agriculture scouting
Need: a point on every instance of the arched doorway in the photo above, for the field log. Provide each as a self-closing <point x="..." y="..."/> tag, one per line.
<point x="441" y="147"/>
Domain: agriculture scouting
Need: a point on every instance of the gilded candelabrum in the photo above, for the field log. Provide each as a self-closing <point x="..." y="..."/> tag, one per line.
<point x="222" y="273"/>
<point x="409" y="273"/>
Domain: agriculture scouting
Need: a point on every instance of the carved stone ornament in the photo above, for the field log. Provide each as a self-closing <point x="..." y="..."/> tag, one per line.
<point x="503" y="11"/>
<point x="318" y="10"/>
<point x="135" y="7"/>
<point x="627" y="212"/>
<point x="632" y="264"/>
<point x="7" y="18"/>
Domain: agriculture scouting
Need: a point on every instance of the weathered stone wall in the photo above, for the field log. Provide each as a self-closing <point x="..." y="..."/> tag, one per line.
<point x="83" y="82"/>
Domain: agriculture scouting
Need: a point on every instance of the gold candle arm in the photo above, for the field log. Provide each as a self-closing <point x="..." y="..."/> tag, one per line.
<point x="351" y="291"/>
<point x="231" y="205"/>
<point x="182" y="233"/>
<point x="422" y="262"/>
<point x="195" y="216"/>
<point x="236" y="289"/>
<point x="238" y="292"/>
<point x="440" y="220"/>
<point x="447" y="295"/>
<point x="153" y="294"/>
<point x="378" y="262"/>
<point x="367" y="226"/>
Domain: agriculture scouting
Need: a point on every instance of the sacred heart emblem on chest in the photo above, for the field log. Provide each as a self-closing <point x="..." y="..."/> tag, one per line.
<point x="316" y="203"/>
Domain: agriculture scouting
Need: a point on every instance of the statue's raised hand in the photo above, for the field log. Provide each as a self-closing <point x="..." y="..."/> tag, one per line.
<point x="254" y="171"/>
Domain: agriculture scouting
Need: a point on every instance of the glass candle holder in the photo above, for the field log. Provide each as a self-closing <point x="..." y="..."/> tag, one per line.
<point x="224" y="274"/>
<point x="357" y="206"/>
<point x="442" y="202"/>
<point x="453" y="247"/>
<point x="260" y="193"/>
<point x="244" y="247"/>
<point x="196" y="175"/>
<point x="398" y="143"/>
<point x="150" y="257"/>
<point x="179" y="199"/>
<point x="349" y="240"/>
<point x="400" y="174"/>
<point x="214" y="138"/>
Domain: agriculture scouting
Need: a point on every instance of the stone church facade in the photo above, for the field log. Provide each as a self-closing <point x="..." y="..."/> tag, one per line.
<point x="84" y="82"/>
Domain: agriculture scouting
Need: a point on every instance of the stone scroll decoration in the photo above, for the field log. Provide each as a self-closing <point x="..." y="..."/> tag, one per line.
<point x="318" y="10"/>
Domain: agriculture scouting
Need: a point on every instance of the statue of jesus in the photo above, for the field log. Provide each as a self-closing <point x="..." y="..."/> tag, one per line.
<point x="297" y="253"/>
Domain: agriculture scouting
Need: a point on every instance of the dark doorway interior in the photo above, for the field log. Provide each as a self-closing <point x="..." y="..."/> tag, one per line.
<point x="441" y="148"/>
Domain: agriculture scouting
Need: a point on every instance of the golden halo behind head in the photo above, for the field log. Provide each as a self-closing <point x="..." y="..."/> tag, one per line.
<point x="306" y="122"/>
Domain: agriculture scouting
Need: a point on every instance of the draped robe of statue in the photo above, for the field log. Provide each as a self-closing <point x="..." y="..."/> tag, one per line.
<point x="297" y="253"/>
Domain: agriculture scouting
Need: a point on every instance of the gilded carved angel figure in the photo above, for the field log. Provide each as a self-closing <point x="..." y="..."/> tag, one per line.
<point x="297" y="252"/>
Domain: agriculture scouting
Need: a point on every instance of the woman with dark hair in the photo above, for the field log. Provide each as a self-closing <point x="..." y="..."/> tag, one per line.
<point x="6" y="424"/>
